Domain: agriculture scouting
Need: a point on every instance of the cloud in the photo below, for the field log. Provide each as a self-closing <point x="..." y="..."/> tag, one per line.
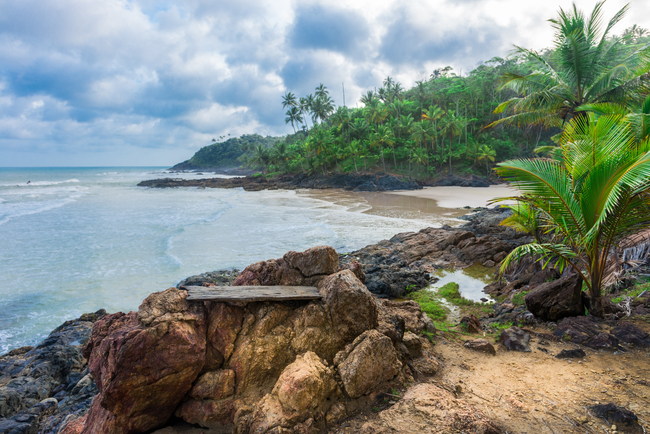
<point x="95" y="82"/>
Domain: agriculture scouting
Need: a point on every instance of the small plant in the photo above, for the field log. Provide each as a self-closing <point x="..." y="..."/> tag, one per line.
<point x="519" y="298"/>
<point x="428" y="335"/>
<point x="429" y="305"/>
<point x="566" y="337"/>
<point x="633" y="292"/>
<point x="451" y="293"/>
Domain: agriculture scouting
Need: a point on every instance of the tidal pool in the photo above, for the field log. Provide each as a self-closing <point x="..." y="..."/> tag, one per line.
<point x="471" y="280"/>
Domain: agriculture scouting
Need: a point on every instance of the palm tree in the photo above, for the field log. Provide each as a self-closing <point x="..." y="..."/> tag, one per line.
<point x="354" y="151"/>
<point x="288" y="100"/>
<point x="588" y="67"/>
<point x="261" y="157"/>
<point x="304" y="104"/>
<point x="595" y="196"/>
<point x="433" y="114"/>
<point x="487" y="154"/>
<point x="293" y="116"/>
<point x="321" y="108"/>
<point x="383" y="136"/>
<point x="321" y="91"/>
<point x="367" y="98"/>
<point x="452" y="126"/>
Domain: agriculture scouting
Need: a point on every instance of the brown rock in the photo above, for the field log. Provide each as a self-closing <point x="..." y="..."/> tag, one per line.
<point x="425" y="365"/>
<point x="472" y="324"/>
<point x="74" y="426"/>
<point x="366" y="363"/>
<point x="208" y="413"/>
<point x="314" y="261"/>
<point x="515" y="339"/>
<point x="413" y="344"/>
<point x="336" y="413"/>
<point x="214" y="385"/>
<point x="305" y="383"/>
<point x="414" y="319"/>
<point x="555" y="300"/>
<point x="224" y="324"/>
<point x="356" y="268"/>
<point x="270" y="273"/>
<point x="313" y="331"/>
<point x="426" y="408"/>
<point x="350" y="306"/>
<point x="481" y="345"/>
<point x="143" y="372"/>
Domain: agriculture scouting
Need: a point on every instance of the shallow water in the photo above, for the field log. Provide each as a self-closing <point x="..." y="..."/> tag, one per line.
<point x="75" y="240"/>
<point x="470" y="280"/>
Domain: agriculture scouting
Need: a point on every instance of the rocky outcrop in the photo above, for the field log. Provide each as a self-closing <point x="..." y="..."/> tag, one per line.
<point x="515" y="339"/>
<point x="255" y="367"/>
<point x="428" y="408"/>
<point x="43" y="388"/>
<point x="552" y="301"/>
<point x="599" y="334"/>
<point x="292" y="182"/>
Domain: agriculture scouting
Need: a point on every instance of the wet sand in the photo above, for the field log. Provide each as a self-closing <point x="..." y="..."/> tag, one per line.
<point x="459" y="197"/>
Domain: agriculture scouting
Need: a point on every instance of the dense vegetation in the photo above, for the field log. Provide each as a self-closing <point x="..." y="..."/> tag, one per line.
<point x="228" y="153"/>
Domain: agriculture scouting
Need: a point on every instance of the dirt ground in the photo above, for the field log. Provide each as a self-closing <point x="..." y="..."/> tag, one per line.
<point x="537" y="393"/>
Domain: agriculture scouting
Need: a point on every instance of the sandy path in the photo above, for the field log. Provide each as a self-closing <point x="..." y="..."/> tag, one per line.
<point x="459" y="197"/>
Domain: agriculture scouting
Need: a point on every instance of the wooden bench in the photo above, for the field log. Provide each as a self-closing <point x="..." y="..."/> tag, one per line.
<point x="251" y="293"/>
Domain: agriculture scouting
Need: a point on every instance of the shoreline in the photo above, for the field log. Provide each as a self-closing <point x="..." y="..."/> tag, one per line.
<point x="460" y="197"/>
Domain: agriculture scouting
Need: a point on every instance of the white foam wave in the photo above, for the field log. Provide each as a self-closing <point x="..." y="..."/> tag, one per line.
<point x="40" y="183"/>
<point x="15" y="210"/>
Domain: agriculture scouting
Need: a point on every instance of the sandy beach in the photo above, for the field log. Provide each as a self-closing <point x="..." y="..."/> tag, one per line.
<point x="459" y="197"/>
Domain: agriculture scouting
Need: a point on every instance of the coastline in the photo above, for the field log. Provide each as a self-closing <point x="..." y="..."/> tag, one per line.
<point x="460" y="197"/>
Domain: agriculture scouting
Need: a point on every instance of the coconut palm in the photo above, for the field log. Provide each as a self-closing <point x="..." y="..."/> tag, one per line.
<point x="293" y="116"/>
<point x="451" y="126"/>
<point x="304" y="104"/>
<point x="586" y="202"/>
<point x="289" y="100"/>
<point x="588" y="66"/>
<point x="321" y="91"/>
<point x="487" y="154"/>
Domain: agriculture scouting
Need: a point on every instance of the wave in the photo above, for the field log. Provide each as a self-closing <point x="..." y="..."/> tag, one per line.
<point x="15" y="210"/>
<point x="40" y="183"/>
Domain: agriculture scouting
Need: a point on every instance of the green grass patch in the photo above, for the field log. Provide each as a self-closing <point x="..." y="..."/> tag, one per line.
<point x="518" y="299"/>
<point x="430" y="305"/>
<point x="451" y="293"/>
<point x="633" y="292"/>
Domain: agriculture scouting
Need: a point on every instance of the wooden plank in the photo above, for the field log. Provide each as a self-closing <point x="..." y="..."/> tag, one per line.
<point x="252" y="293"/>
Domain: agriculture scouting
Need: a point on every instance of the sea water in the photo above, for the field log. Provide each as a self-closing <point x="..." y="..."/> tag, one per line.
<point x="74" y="240"/>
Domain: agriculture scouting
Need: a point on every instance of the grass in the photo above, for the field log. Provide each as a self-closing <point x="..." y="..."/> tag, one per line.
<point x="451" y="293"/>
<point x="519" y="298"/>
<point x="635" y="291"/>
<point x="430" y="305"/>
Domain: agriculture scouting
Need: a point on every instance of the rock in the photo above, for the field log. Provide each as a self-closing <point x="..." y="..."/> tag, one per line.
<point x="214" y="385"/>
<point x="305" y="383"/>
<point x="515" y="339"/>
<point x="366" y="363"/>
<point x="472" y="324"/>
<point x="314" y="261"/>
<point x="413" y="344"/>
<point x="208" y="413"/>
<point x="427" y="408"/>
<point x="30" y="376"/>
<point x="481" y="345"/>
<point x="614" y="414"/>
<point x="571" y="354"/>
<point x="349" y="305"/>
<point x="588" y="331"/>
<point x="145" y="362"/>
<point x="414" y="319"/>
<point x="558" y="299"/>
<point x="631" y="334"/>
<point x="425" y="365"/>
<point x="356" y="268"/>
<point x="218" y="278"/>
<point x="336" y="413"/>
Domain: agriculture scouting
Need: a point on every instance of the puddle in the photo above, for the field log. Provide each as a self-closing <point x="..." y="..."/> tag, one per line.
<point x="471" y="280"/>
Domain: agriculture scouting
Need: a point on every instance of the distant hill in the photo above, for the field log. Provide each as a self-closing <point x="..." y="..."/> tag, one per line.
<point x="225" y="154"/>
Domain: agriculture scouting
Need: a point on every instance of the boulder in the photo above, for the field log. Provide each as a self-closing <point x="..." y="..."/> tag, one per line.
<point x="558" y="299"/>
<point x="427" y="408"/>
<point x="480" y="345"/>
<point x="305" y="383"/>
<point x="208" y="413"/>
<point x="631" y="334"/>
<point x="472" y="324"/>
<point x="145" y="362"/>
<point x="214" y="385"/>
<point x="588" y="331"/>
<point x="571" y="354"/>
<point x="314" y="261"/>
<point x="414" y="319"/>
<point x="350" y="306"/>
<point x="366" y="363"/>
<point x="515" y="339"/>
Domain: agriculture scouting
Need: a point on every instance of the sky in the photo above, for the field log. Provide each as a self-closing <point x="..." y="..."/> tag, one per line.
<point x="149" y="82"/>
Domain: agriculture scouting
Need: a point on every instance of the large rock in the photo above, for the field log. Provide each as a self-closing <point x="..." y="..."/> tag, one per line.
<point x="305" y="383"/>
<point x="515" y="339"/>
<point x="145" y="362"/>
<point x="558" y="299"/>
<point x="480" y="345"/>
<point x="314" y="261"/>
<point x="350" y="306"/>
<point x="425" y="408"/>
<point x="366" y="363"/>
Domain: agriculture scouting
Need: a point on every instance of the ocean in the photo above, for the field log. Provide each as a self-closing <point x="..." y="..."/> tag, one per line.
<point x="75" y="240"/>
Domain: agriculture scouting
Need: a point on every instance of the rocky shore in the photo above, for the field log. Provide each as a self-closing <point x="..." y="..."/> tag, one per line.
<point x="292" y="182"/>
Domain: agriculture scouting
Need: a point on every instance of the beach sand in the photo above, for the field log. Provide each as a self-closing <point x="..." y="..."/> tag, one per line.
<point x="459" y="197"/>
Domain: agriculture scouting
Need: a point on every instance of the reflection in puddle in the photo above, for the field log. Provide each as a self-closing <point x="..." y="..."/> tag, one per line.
<point x="471" y="280"/>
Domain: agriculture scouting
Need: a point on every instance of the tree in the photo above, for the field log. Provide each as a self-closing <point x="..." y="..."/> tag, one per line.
<point x="452" y="126"/>
<point x="288" y="100"/>
<point x="593" y="197"/>
<point x="261" y="157"/>
<point x="587" y="66"/>
<point x="293" y="116"/>
<point x="487" y="154"/>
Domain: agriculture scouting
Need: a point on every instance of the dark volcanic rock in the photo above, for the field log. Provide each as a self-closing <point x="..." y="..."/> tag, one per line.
<point x="590" y="332"/>
<point x="552" y="301"/>
<point x="218" y="278"/>
<point x="43" y="386"/>
<point x="515" y="339"/>
<point x="631" y="334"/>
<point x="291" y="182"/>
<point x="571" y="354"/>
<point x="457" y="181"/>
<point x="481" y="345"/>
<point x="614" y="414"/>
